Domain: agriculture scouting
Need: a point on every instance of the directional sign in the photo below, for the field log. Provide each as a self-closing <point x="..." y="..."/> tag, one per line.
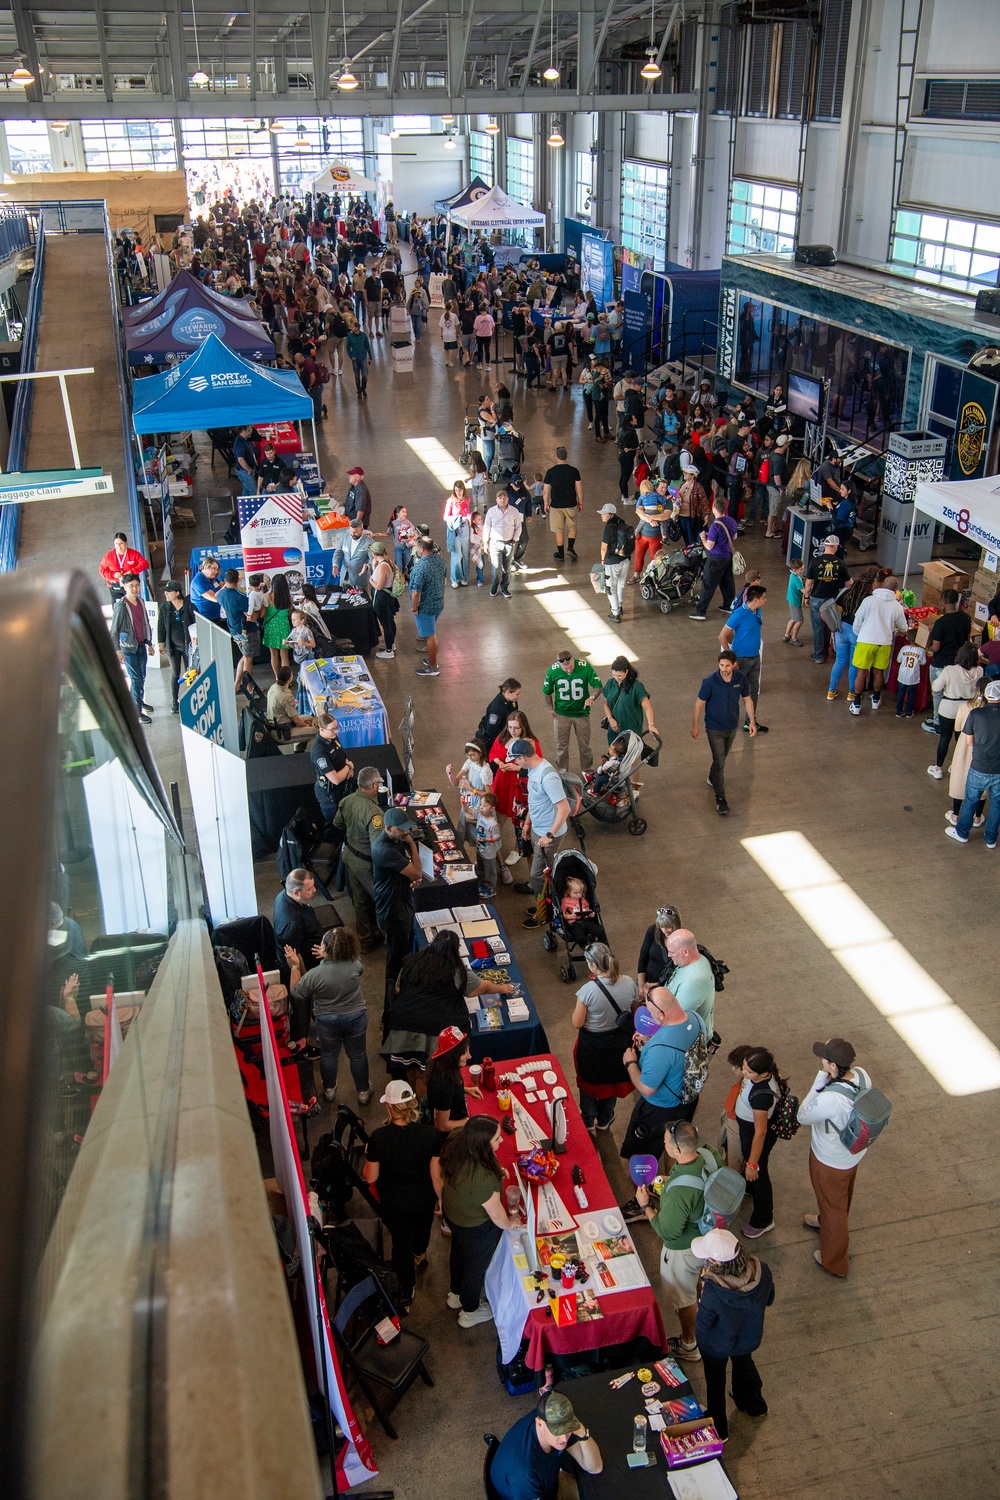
<point x="53" y="484"/>
<point x="200" y="707"/>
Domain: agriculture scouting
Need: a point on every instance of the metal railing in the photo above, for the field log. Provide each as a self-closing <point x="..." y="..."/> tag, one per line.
<point x="124" y="399"/>
<point x="20" y="427"/>
<point x="16" y="232"/>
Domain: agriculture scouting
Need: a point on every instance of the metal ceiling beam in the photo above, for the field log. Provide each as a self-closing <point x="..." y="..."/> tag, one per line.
<point x="458" y="63"/>
<point x="602" y="38"/>
<point x="24" y="30"/>
<point x="531" y="45"/>
<point x="178" y="54"/>
<point x="319" y="31"/>
<point x="384" y="36"/>
<point x="397" y="38"/>
<point x="102" y="42"/>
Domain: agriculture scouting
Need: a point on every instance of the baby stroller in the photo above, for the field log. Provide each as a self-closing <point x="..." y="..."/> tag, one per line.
<point x="670" y="577"/>
<point x="508" y="454"/>
<point x="576" y="935"/>
<point x="470" y="440"/>
<point x="610" y="796"/>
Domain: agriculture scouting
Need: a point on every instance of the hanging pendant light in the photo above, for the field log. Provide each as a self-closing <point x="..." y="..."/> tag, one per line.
<point x="301" y="141"/>
<point x="275" y="126"/>
<point x="199" y="76"/>
<point x="555" y="138"/>
<point x="20" y="75"/>
<point x="492" y="128"/>
<point x="551" y="74"/>
<point x="345" y="78"/>
<point x="449" y="141"/>
<point x="60" y="126"/>
<point x="447" y="119"/>
<point x="651" y="68"/>
<point x="249" y="120"/>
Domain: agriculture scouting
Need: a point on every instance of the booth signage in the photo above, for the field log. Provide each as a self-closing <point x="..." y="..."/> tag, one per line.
<point x="977" y="401"/>
<point x="53" y="484"/>
<point x="271" y="533"/>
<point x="597" y="271"/>
<point x="634" y="339"/>
<point x="200" y="708"/>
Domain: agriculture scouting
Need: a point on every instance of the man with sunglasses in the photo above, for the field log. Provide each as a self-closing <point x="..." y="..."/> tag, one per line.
<point x="657" y="1074"/>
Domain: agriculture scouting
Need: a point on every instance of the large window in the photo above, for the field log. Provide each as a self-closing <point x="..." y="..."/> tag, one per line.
<point x="521" y="169"/>
<point x="298" y="164"/>
<point x="955" y="253"/>
<point x="28" y="146"/>
<point x="481" y="157"/>
<point x="123" y="145"/>
<point x="762" y="217"/>
<point x="583" y="184"/>
<point x="645" y="210"/>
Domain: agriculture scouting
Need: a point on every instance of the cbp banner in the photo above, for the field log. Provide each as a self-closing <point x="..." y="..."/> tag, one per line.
<point x="272" y="536"/>
<point x="597" y="271"/>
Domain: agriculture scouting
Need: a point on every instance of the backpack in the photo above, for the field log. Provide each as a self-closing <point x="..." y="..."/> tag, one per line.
<point x="398" y="585"/>
<point x="696" y="1060"/>
<point x="764" y="472"/>
<point x="724" y="1191"/>
<point x="624" y="538"/>
<point x="870" y="1111"/>
<point x="784" y="1117"/>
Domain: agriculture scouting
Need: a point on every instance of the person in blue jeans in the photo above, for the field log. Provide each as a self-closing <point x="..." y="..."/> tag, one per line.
<point x="246" y="461"/>
<point x="742" y="634"/>
<point x="333" y="991"/>
<point x="982" y="730"/>
<point x="826" y="576"/>
<point x="134" y="641"/>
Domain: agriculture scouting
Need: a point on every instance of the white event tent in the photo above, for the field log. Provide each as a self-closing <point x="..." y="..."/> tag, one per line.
<point x="494" y="210"/>
<point x="969" y="506"/>
<point x="340" y="178"/>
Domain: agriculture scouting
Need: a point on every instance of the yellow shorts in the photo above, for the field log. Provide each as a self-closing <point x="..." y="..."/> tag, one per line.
<point x="871" y="656"/>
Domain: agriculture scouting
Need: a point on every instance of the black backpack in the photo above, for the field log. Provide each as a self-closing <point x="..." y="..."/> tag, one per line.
<point x="624" y="539"/>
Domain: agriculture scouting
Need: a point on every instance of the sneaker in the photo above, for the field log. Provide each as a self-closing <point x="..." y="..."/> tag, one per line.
<point x="330" y="1095"/>
<point x="505" y="593"/>
<point x="749" y="1233"/>
<point x="876" y="703"/>
<point x="953" y="833"/>
<point x="976" y="822"/>
<point x="898" y="714"/>
<point x="454" y="1301"/>
<point x="989" y="846"/>
<point x="454" y="584"/>
<point x="506" y="878"/>
<point x="513" y="857"/>
<point x="482" y="1314"/>
<point x="385" y="655"/>
<point x="603" y="1128"/>
<point x="428" y="672"/>
<point x="147" y="706"/>
<point x="145" y="719"/>
<point x="632" y="1211"/>
<point x="530" y="922"/>
<point x="796" y="643"/>
<point x="855" y="709"/>
<point x="485" y="894"/>
<point x="724" y="609"/>
<point x="829" y="697"/>
<point x="936" y="772"/>
<point x="722" y="807"/>
<point x="817" y="1257"/>
<point x="952" y="818"/>
<point x="447" y="1234"/>
<point x="523" y="888"/>
<point x="810" y="1221"/>
<point x="851" y="697"/>
<point x="762" y="728"/>
<point x="364" y="1096"/>
<point x="697" y="617"/>
<point x="559" y="555"/>
<point x="930" y="726"/>
<point x="677" y="1349"/>
<point x="494" y="589"/>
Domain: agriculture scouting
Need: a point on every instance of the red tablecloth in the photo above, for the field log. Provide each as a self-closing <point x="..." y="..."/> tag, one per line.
<point x="627" y="1315"/>
<point x="923" y="697"/>
<point x="282" y="434"/>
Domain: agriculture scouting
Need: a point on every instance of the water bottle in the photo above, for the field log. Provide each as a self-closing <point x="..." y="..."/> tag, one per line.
<point x="639" y="1435"/>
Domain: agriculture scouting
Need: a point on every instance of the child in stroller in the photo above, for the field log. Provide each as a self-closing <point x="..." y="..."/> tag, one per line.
<point x="573" y="912"/>
<point x="609" y="763"/>
<point x="608" y="792"/>
<point x="670" y="577"/>
<point x="508" y="455"/>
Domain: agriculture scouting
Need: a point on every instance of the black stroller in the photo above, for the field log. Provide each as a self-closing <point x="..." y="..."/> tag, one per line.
<point x="609" y="795"/>
<point x="470" y="439"/>
<point x="508" y="454"/>
<point x="670" y="577"/>
<point x="570" y="863"/>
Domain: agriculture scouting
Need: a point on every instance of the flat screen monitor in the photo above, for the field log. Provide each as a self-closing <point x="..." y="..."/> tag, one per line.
<point x="805" y="396"/>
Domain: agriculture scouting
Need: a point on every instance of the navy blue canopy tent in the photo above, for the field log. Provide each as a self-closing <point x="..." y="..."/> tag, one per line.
<point x="142" y="311"/>
<point x="477" y="188"/>
<point x="216" y="388"/>
<point x="183" y="323"/>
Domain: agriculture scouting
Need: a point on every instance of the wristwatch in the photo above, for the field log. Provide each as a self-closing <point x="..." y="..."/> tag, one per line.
<point x="579" y="1437"/>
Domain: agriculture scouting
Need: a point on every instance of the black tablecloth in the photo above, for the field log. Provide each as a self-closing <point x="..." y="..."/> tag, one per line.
<point x="354" y="622"/>
<point x="432" y="894"/>
<point x="278" y="785"/>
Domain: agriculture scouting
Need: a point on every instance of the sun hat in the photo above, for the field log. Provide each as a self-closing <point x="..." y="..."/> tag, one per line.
<point x="719" y="1245"/>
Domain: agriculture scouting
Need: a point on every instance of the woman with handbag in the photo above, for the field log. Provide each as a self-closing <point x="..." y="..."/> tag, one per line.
<point x="603" y="1020"/>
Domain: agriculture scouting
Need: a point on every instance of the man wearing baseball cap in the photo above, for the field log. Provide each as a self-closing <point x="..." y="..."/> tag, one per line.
<point x="358" y="500"/>
<point x="398" y="1158"/>
<point x="396" y="869"/>
<point x="615" y="557"/>
<point x="832" y="1168"/>
<point x="548" y="816"/>
<point x="982" y="731"/>
<point x="544" y="1443"/>
<point x="826" y="575"/>
<point x="735" y="1290"/>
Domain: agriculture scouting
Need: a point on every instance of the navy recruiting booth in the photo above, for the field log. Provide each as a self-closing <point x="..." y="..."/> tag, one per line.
<point x="597" y="268"/>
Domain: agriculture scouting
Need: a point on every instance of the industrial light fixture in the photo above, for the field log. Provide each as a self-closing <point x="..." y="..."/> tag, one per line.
<point x="20" y="75"/>
<point x="275" y="126"/>
<point x="551" y="74"/>
<point x="301" y="141"/>
<point x="555" y="138"/>
<point x="447" y="119"/>
<point x="199" y="76"/>
<point x="60" y="126"/>
<point x="492" y="128"/>
<point x="449" y="141"/>
<point x="394" y="134"/>
<point x="345" y="78"/>
<point x="250" y="120"/>
<point x="651" y="68"/>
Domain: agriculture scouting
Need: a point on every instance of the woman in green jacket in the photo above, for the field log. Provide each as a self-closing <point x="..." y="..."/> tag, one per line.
<point x="627" y="701"/>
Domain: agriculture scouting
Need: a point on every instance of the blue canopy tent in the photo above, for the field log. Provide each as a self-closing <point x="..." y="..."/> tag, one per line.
<point x="185" y="321"/>
<point x="239" y="306"/>
<point x="216" y="388"/>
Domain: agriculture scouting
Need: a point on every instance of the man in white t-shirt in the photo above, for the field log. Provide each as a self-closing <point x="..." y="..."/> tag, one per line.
<point x="692" y="983"/>
<point x="832" y="1168"/>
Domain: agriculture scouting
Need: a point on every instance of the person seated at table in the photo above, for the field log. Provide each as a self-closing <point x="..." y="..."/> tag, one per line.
<point x="282" y="708"/>
<point x="538" y="1456"/>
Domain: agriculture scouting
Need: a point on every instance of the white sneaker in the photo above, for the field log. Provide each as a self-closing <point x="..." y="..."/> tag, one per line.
<point x="386" y="655"/>
<point x="513" y="857"/>
<point x="454" y="1301"/>
<point x="482" y="1314"/>
<point x="329" y="1095"/>
<point x="936" y="772"/>
<point x="951" y="818"/>
<point x="855" y="708"/>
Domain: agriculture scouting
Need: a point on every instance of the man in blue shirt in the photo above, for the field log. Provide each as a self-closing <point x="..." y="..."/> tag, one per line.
<point x="548" y="817"/>
<point x="204" y="585"/>
<point x="719" y="697"/>
<point x="718" y="542"/>
<point x="427" y="579"/>
<point x="246" y="461"/>
<point x="741" y="634"/>
<point x="543" y="1442"/>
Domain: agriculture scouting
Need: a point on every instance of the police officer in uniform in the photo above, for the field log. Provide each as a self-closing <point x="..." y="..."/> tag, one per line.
<point x="359" y="819"/>
<point x="333" y="771"/>
<point x="396" y="869"/>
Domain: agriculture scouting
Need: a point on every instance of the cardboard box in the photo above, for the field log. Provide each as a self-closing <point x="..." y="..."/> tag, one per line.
<point x="930" y="596"/>
<point x="944" y="575"/>
<point x="924" y="629"/>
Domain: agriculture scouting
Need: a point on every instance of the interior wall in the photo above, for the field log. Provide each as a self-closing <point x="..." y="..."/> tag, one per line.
<point x="422" y="170"/>
<point x="133" y="198"/>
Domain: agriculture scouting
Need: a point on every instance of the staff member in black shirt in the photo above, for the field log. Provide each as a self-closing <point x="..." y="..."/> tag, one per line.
<point x="173" y="630"/>
<point x="825" y="577"/>
<point x="333" y="771"/>
<point x="271" y="472"/>
<point x="563" y="495"/>
<point x="949" y="633"/>
<point x="396" y="869"/>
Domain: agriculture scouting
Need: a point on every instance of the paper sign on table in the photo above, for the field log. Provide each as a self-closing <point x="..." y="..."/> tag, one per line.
<point x="481" y="929"/>
<point x="437" y="918"/>
<point x="704" y="1482"/>
<point x="553" y="1215"/>
<point x="527" y="1133"/>
<point x="471" y="913"/>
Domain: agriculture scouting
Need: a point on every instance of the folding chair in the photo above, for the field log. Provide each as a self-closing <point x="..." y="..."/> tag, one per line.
<point x="391" y="1367"/>
<point x="492" y="1444"/>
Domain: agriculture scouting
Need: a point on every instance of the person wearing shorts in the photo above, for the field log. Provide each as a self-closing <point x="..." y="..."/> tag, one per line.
<point x="427" y="580"/>
<point x="563" y="497"/>
<point x="879" y="619"/>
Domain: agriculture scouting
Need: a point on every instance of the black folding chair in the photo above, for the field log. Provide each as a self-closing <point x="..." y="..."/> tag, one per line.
<point x="489" y="1488"/>
<point x="388" y="1368"/>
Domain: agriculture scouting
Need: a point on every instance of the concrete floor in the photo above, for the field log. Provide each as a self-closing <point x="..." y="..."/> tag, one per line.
<point x="878" y="1386"/>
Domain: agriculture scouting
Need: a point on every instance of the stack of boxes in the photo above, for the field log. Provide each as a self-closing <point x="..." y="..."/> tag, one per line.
<point x="399" y="334"/>
<point x="985" y="587"/>
<point x="939" y="576"/>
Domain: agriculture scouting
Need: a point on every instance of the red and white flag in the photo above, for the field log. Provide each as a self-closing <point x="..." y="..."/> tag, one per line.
<point x="355" y="1462"/>
<point x="112" y="1031"/>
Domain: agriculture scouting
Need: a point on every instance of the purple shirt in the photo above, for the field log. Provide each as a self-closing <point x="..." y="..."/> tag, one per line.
<point x="722" y="533"/>
<point x="139" y="621"/>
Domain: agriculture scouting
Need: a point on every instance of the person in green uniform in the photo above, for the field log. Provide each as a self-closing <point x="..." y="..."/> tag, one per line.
<point x="359" y="818"/>
<point x="571" y="687"/>
<point x="627" y="701"/>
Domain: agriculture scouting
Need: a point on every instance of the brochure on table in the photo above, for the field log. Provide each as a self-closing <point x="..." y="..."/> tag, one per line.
<point x="474" y="924"/>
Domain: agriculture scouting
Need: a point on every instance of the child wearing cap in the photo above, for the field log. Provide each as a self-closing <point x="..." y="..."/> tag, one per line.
<point x="736" y="1288"/>
<point x="474" y="777"/>
<point x="398" y="1166"/>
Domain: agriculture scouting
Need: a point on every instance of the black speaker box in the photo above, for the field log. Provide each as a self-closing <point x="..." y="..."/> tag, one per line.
<point x="988" y="301"/>
<point x="815" y="255"/>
